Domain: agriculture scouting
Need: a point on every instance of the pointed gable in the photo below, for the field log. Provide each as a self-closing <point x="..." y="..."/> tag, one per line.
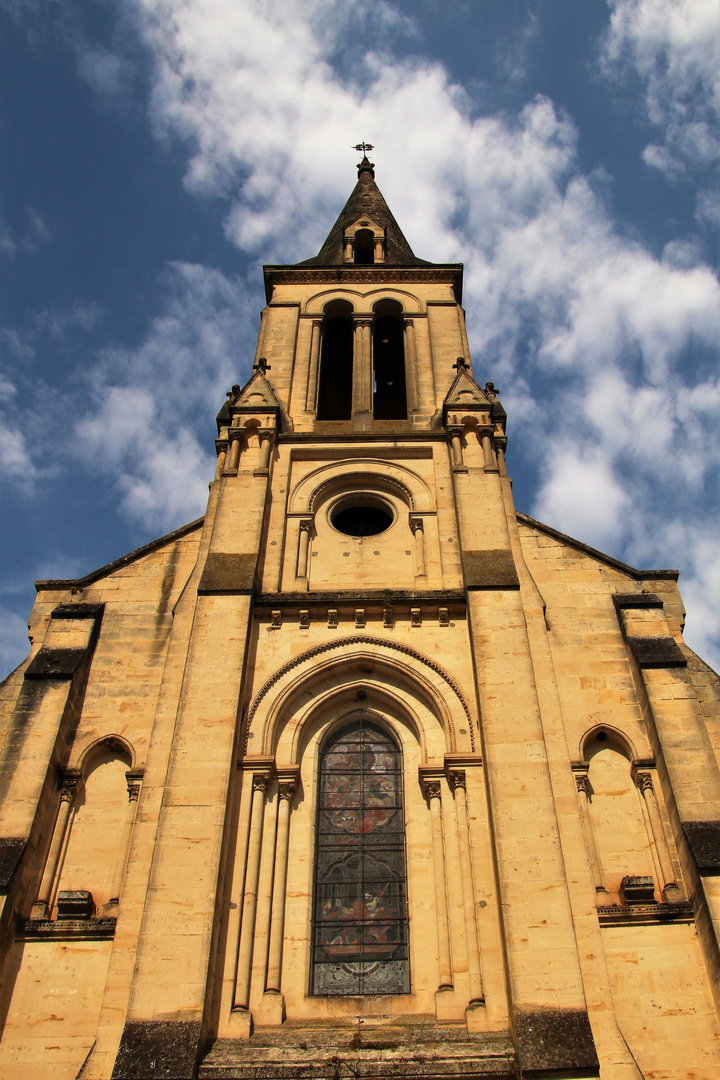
<point x="465" y="392"/>
<point x="366" y="204"/>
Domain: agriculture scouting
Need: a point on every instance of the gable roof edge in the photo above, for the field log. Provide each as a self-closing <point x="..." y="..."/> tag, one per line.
<point x="625" y="568"/>
<point x="118" y="564"/>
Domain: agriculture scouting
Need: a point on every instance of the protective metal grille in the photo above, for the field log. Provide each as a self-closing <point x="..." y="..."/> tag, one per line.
<point x="360" y="943"/>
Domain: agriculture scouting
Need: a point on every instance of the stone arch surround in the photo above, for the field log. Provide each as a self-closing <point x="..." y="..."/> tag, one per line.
<point x="424" y="680"/>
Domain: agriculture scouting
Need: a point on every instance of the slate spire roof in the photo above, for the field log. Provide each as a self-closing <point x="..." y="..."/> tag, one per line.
<point x="366" y="199"/>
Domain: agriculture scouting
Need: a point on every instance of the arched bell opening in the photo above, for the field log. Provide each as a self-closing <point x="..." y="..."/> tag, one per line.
<point x="336" y="363"/>
<point x="389" y="392"/>
<point x="364" y="247"/>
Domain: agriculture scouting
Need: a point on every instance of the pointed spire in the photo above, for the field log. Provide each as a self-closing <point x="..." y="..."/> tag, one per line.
<point x="366" y="200"/>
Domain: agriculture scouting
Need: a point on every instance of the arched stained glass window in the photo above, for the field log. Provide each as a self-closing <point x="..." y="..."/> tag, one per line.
<point x="360" y="927"/>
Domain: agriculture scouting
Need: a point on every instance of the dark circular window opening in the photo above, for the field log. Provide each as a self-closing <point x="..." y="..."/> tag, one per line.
<point x="362" y="520"/>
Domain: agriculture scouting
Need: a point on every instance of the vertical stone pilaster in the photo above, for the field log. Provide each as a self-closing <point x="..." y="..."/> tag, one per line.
<point x="456" y="779"/>
<point x="286" y="793"/>
<point x="432" y="789"/>
<point x="260" y="781"/>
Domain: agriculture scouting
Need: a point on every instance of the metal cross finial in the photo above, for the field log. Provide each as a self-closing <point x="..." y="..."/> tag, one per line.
<point x="364" y="147"/>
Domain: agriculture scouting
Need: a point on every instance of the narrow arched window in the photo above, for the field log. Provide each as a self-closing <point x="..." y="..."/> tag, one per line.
<point x="364" y="247"/>
<point x="360" y="939"/>
<point x="336" y="363"/>
<point x="389" y="397"/>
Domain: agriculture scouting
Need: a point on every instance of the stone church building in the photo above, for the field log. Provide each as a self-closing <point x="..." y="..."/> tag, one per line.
<point x="364" y="773"/>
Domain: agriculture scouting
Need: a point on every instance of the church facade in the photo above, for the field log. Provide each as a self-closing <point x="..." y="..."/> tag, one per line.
<point x="365" y="773"/>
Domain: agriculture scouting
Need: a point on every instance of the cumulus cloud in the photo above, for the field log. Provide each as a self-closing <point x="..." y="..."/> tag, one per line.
<point x="149" y="420"/>
<point x="603" y="350"/>
<point x="674" y="48"/>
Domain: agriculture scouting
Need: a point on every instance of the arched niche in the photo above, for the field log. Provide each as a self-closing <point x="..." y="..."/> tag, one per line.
<point x="89" y="862"/>
<point x="318" y="685"/>
<point x="622" y="833"/>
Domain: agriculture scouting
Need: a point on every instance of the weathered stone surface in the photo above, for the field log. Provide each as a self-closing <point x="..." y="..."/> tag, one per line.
<point x="227" y="573"/>
<point x="55" y="663"/>
<point x="652" y="652"/>
<point x="11" y="849"/>
<point x="493" y="569"/>
<point x="555" y="1042"/>
<point x="703" y="839"/>
<point x="164" y="1049"/>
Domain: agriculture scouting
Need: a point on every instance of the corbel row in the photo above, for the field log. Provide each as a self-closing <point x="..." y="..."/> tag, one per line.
<point x="360" y="618"/>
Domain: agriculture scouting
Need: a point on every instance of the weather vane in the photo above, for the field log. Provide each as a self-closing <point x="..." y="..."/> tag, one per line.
<point x="364" y="147"/>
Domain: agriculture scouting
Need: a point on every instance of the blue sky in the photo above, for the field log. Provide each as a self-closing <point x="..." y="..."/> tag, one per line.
<point x="154" y="153"/>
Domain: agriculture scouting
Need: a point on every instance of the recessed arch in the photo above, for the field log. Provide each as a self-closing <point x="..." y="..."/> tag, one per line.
<point x="602" y="736"/>
<point x="106" y="744"/>
<point x="409" y="485"/>
<point x="430" y="697"/>
<point x="363" y="300"/>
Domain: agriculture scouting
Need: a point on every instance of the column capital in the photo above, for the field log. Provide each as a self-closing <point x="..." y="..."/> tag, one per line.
<point x="362" y="321"/>
<point x="582" y="781"/>
<point x="305" y="524"/>
<point x="456" y="779"/>
<point x="69" y="785"/>
<point x="287" y="786"/>
<point x="431" y="783"/>
<point x="134" y="783"/>
<point x="416" y="523"/>
<point x="643" y="781"/>
<point x="235" y="433"/>
<point x="260" y="781"/>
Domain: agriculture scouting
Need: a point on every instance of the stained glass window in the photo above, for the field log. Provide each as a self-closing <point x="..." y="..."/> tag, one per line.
<point x="360" y="927"/>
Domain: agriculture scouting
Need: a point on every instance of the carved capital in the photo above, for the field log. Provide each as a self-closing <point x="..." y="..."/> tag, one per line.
<point x="360" y="324"/>
<point x="265" y="434"/>
<point x="456" y="779"/>
<point x="454" y="431"/>
<point x="416" y="524"/>
<point x="583" y="784"/>
<point x="408" y="324"/>
<point x="134" y="783"/>
<point x="287" y="788"/>
<point x="235" y="433"/>
<point x="69" y="786"/>
<point x="644" y="781"/>
<point x="305" y="524"/>
<point x="432" y="789"/>
<point x="260" y="781"/>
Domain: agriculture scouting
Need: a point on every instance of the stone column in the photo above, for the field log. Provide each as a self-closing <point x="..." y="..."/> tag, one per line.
<point x="348" y="250"/>
<point x="416" y="524"/>
<point x="303" y="547"/>
<point x="456" y="779"/>
<point x="669" y="886"/>
<point x="286" y="792"/>
<point x="488" y="453"/>
<point x="362" y="369"/>
<point x="134" y="783"/>
<point x="68" y="794"/>
<point x="315" y="336"/>
<point x="222" y="458"/>
<point x="379" y="253"/>
<point x="432" y="791"/>
<point x="233" y="458"/>
<point x="584" y="789"/>
<point x="455" y="435"/>
<point x="266" y="441"/>
<point x="411" y="381"/>
<point x="260" y="783"/>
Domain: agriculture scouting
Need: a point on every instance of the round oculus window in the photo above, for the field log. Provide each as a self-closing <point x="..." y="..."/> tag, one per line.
<point x="364" y="518"/>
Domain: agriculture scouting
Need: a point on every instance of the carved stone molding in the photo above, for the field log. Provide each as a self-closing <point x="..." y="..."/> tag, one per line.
<point x="345" y="643"/>
<point x="432" y="789"/>
<point x="69" y="786"/>
<point x="287" y="788"/>
<point x="456" y="779"/>
<point x="261" y="780"/>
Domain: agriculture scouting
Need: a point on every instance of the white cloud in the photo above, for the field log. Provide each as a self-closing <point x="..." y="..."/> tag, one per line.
<point x="674" y="48"/>
<point x="149" y="424"/>
<point x="612" y="344"/>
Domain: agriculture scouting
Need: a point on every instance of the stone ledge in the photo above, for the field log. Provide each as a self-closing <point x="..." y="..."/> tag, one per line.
<point x="644" y="914"/>
<point x="55" y="663"/>
<point x="637" y="600"/>
<point x="68" y="929"/>
<point x="656" y="652"/>
<point x="397" y="1051"/>
<point x="491" y="569"/>
<point x="228" y="573"/>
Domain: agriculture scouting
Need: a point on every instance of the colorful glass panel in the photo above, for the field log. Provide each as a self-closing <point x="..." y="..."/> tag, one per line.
<point x="360" y="943"/>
